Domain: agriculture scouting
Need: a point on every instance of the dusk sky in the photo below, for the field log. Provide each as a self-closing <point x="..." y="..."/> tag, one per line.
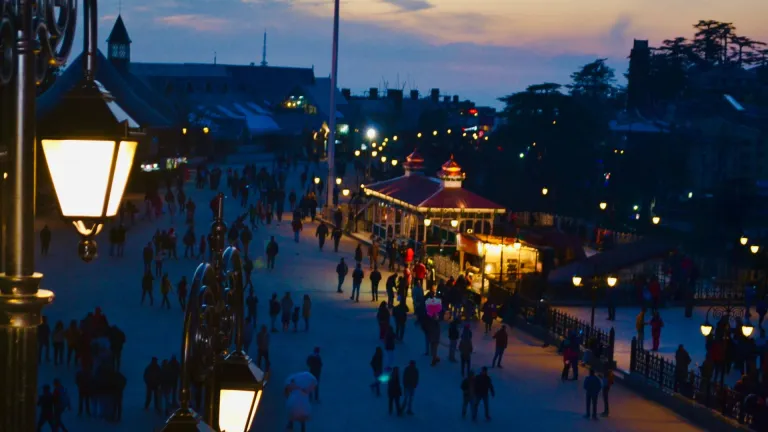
<point x="479" y="49"/>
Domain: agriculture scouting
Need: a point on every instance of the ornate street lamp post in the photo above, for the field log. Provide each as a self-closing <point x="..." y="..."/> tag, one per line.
<point x="212" y="344"/>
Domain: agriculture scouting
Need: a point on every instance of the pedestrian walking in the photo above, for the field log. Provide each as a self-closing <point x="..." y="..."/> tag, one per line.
<point x="336" y="235"/>
<point x="321" y="233"/>
<point x="341" y="270"/>
<point x="592" y="386"/>
<point x="116" y="343"/>
<point x="262" y="347"/>
<point x="46" y="404"/>
<point x="377" y="365"/>
<point x="272" y="250"/>
<point x="483" y="388"/>
<point x="250" y="304"/>
<point x="390" y="287"/>
<point x="400" y="315"/>
<point x="656" y="324"/>
<point x="315" y="366"/>
<point x="286" y="306"/>
<point x="453" y="340"/>
<point x="410" y="382"/>
<point x="357" y="280"/>
<point x="152" y="381"/>
<point x="297" y="227"/>
<point x="465" y="350"/>
<point x="306" y="309"/>
<point x="72" y="336"/>
<point x="146" y="288"/>
<point x="58" y="343"/>
<point x="607" y="384"/>
<point x="358" y="255"/>
<point x="468" y="394"/>
<point x="165" y="289"/>
<point x="501" y="338"/>
<point x="159" y="263"/>
<point x="375" y="279"/>
<point x="44" y="340"/>
<point x="394" y="391"/>
<point x="640" y="324"/>
<point x="61" y="403"/>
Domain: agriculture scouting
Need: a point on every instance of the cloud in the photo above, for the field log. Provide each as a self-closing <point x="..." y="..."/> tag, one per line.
<point x="410" y="5"/>
<point x="203" y="23"/>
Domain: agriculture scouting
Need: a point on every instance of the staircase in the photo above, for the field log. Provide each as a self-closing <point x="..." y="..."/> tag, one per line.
<point x="250" y="154"/>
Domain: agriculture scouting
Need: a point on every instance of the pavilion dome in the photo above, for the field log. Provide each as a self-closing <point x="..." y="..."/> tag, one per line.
<point x="413" y="162"/>
<point x="451" y="170"/>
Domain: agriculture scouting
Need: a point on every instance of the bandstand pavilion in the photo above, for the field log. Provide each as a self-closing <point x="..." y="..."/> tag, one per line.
<point x="427" y="209"/>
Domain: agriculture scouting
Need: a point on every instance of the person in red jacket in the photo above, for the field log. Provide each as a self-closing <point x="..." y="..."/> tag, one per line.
<point x="570" y="360"/>
<point x="409" y="256"/>
<point x="420" y="273"/>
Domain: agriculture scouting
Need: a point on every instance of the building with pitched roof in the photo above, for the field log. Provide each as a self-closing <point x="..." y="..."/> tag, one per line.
<point x="206" y="108"/>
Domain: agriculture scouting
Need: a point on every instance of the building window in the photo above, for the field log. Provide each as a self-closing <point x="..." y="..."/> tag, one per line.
<point x="122" y="51"/>
<point x="310" y="109"/>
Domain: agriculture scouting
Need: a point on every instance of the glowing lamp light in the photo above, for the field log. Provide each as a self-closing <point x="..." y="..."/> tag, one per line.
<point x="394" y="162"/>
<point x="89" y="177"/>
<point x="544" y="191"/>
<point x="576" y="280"/>
<point x="635" y="207"/>
<point x="522" y="155"/>
<point x="357" y="152"/>
<point x="370" y="133"/>
<point x="454" y="223"/>
<point x="418" y="135"/>
<point x="637" y="216"/>
<point x="373" y="145"/>
<point x="743" y="240"/>
<point x="754" y="249"/>
<point x="690" y="195"/>
<point x="706" y="328"/>
<point x="317" y="180"/>
<point x="374" y="153"/>
<point x="486" y="138"/>
<point x="517" y="245"/>
<point x="394" y="138"/>
<point x="427" y="222"/>
<point x="206" y="130"/>
<point x="448" y="131"/>
<point x="240" y="390"/>
<point x="488" y="269"/>
<point x="183" y="131"/>
<point x="338" y="180"/>
<point x="384" y="144"/>
<point x="434" y="133"/>
<point x="603" y="205"/>
<point x="383" y="159"/>
<point x="345" y="192"/>
<point x="747" y="329"/>
<point x="464" y="134"/>
<point x="612" y="281"/>
<point x="655" y="220"/>
<point x="385" y="139"/>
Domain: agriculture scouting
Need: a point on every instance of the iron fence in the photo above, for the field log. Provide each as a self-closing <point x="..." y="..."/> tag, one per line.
<point x="664" y="374"/>
<point x="720" y="290"/>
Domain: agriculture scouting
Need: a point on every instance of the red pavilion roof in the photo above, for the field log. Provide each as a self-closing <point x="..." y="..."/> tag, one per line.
<point x="458" y="198"/>
<point x="424" y="193"/>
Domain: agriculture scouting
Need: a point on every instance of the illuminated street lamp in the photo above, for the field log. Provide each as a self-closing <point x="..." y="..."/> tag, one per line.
<point x="517" y="245"/>
<point x="338" y="180"/>
<point x="241" y="384"/>
<point x="449" y="131"/>
<point x="418" y="135"/>
<point x="576" y="280"/>
<point x="427" y="222"/>
<point x="603" y="205"/>
<point x="611" y="280"/>
<point x="754" y="249"/>
<point x="357" y="152"/>
<point x="454" y="223"/>
<point x="370" y="133"/>
<point x="206" y="130"/>
<point x="434" y="133"/>
<point x="374" y="153"/>
<point x="88" y="196"/>
<point x="655" y="220"/>
<point x="743" y="240"/>
<point x="345" y="192"/>
<point x="544" y="191"/>
<point x="384" y="144"/>
<point x="317" y="180"/>
<point x="183" y="131"/>
<point x="394" y="162"/>
<point x="383" y="159"/>
<point x="394" y="138"/>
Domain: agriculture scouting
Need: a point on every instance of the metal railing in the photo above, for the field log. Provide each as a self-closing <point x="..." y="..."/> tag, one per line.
<point x="716" y="289"/>
<point x="663" y="373"/>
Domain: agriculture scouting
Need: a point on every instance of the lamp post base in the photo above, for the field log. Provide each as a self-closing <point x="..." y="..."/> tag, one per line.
<point x="19" y="317"/>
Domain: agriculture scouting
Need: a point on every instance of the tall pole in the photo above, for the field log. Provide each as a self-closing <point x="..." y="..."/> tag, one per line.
<point x="21" y="301"/>
<point x="331" y="144"/>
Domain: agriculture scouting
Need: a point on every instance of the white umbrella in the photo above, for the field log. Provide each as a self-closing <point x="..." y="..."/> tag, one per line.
<point x="303" y="380"/>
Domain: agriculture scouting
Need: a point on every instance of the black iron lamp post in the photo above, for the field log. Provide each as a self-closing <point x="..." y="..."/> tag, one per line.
<point x="212" y="343"/>
<point x="34" y="36"/>
<point x="610" y="281"/>
<point x="730" y="313"/>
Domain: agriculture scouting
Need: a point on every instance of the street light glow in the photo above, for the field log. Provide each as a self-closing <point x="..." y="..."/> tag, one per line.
<point x="383" y="159"/>
<point x="338" y="180"/>
<point x="576" y="280"/>
<point x="418" y="135"/>
<point x="434" y="133"/>
<point x="374" y="153"/>
<point x="370" y="133"/>
<point x="454" y="223"/>
<point x="183" y="131"/>
<point x="522" y="155"/>
<point x="206" y="130"/>
<point x="394" y="162"/>
<point x="754" y="249"/>
<point x="427" y="222"/>
<point x="743" y="240"/>
<point x="357" y="152"/>
<point x="394" y="138"/>
<point x="603" y="205"/>
<point x="655" y="220"/>
<point x="345" y="192"/>
<point x="517" y="245"/>
<point x="317" y="180"/>
<point x="612" y="281"/>
<point x="449" y="131"/>
<point x="544" y="191"/>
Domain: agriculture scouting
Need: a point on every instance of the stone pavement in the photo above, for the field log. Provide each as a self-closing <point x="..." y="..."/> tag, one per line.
<point x="677" y="330"/>
<point x="529" y="393"/>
